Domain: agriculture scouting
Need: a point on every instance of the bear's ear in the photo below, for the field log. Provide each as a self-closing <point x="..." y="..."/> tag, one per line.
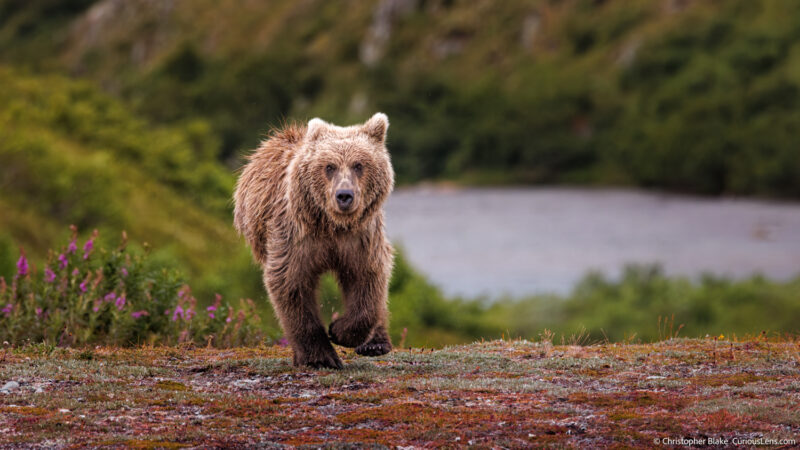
<point x="316" y="127"/>
<point x="376" y="127"/>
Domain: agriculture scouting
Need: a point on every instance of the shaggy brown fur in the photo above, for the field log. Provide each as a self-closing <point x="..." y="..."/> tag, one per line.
<point x="291" y="210"/>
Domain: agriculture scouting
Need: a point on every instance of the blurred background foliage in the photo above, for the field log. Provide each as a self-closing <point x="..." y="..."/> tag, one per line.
<point x="134" y="114"/>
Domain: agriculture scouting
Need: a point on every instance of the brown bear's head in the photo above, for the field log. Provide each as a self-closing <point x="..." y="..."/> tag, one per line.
<point x="344" y="172"/>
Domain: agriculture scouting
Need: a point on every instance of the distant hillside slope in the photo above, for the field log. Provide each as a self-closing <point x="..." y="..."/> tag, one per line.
<point x="72" y="155"/>
<point x="685" y="95"/>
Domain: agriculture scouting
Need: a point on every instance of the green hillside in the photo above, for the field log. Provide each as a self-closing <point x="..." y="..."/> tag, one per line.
<point x="73" y="155"/>
<point x="688" y="96"/>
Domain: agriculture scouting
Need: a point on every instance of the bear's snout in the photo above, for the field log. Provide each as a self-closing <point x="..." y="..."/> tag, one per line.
<point x="344" y="199"/>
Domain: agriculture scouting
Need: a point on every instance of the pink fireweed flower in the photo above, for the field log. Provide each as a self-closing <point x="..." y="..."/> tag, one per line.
<point x="7" y="309"/>
<point x="178" y="312"/>
<point x="228" y="320"/>
<point x="83" y="286"/>
<point x="38" y="312"/>
<point x="75" y="272"/>
<point x="87" y="248"/>
<point x="72" y="247"/>
<point x="49" y="275"/>
<point x="124" y="272"/>
<point x="120" y="303"/>
<point x="62" y="261"/>
<point x="22" y="265"/>
<point x="190" y="313"/>
<point x="109" y="297"/>
<point x="282" y="342"/>
<point x="96" y="308"/>
<point x="138" y="314"/>
<point x="215" y="306"/>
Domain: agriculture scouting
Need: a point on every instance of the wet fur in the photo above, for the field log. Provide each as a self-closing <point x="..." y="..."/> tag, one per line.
<point x="284" y="208"/>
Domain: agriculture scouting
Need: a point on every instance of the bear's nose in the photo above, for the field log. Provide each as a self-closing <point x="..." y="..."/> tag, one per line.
<point x="344" y="198"/>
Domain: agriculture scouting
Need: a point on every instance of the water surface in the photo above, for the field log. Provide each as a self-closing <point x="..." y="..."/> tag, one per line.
<point x="520" y="241"/>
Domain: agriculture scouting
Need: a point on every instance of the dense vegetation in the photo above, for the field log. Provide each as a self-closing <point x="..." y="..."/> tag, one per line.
<point x="87" y="295"/>
<point x="83" y="294"/>
<point x="689" y="96"/>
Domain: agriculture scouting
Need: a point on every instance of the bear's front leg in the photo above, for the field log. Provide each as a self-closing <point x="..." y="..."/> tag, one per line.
<point x="365" y="296"/>
<point x="298" y="312"/>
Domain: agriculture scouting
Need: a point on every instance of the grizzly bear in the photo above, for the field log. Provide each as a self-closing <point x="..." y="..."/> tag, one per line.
<point x="310" y="201"/>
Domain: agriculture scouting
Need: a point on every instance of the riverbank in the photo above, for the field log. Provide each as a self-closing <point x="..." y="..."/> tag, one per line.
<point x="514" y="394"/>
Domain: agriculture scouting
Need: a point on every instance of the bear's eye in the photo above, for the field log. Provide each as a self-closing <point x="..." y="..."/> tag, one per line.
<point x="329" y="169"/>
<point x="358" y="168"/>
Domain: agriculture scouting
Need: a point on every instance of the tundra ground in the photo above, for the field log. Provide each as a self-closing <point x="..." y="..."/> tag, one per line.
<point x="499" y="393"/>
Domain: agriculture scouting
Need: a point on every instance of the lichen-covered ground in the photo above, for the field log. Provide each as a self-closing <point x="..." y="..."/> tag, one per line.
<point x="504" y="394"/>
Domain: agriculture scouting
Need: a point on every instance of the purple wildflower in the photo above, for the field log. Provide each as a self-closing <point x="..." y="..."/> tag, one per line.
<point x="84" y="286"/>
<point x="75" y="272"/>
<point x="7" y="309"/>
<point x="190" y="313"/>
<point x="282" y="342"/>
<point x="62" y="261"/>
<point x="87" y="248"/>
<point x="38" y="312"/>
<point x="178" y="312"/>
<point x="96" y="308"/>
<point x="120" y="303"/>
<point x="138" y="314"/>
<point x="211" y="310"/>
<point x="73" y="247"/>
<point x="124" y="272"/>
<point x="109" y="297"/>
<point x="22" y="265"/>
<point x="49" y="275"/>
<point x="228" y="320"/>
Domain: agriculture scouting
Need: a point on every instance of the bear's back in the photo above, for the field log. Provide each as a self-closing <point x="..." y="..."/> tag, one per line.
<point x="261" y="189"/>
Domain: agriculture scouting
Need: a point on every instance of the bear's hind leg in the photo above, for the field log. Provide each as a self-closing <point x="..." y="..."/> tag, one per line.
<point x="378" y="345"/>
<point x="298" y="313"/>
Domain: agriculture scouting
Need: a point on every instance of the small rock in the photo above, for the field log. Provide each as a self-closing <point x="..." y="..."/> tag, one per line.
<point x="10" y="386"/>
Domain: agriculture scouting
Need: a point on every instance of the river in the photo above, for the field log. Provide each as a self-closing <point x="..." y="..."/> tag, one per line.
<point x="518" y="241"/>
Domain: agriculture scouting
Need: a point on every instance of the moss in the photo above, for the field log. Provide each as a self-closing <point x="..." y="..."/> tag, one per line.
<point x="170" y="385"/>
<point x="143" y="444"/>
<point x="26" y="410"/>
<point x="735" y="379"/>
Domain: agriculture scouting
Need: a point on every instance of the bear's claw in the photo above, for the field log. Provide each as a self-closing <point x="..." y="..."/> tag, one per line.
<point x="323" y="362"/>
<point x="374" y="348"/>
